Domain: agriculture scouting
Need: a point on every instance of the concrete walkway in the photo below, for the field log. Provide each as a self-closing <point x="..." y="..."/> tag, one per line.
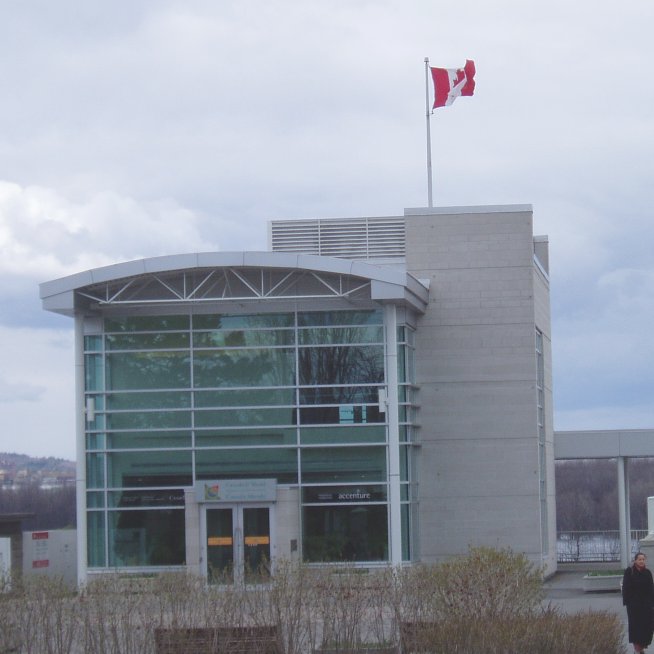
<point x="565" y="590"/>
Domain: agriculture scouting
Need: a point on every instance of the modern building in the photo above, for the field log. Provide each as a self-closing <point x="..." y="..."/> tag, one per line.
<point x="371" y="391"/>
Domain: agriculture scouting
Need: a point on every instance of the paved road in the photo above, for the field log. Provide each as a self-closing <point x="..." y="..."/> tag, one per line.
<point x="565" y="590"/>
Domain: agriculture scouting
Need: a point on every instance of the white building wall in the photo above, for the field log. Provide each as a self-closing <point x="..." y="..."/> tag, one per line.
<point x="543" y="323"/>
<point x="476" y="368"/>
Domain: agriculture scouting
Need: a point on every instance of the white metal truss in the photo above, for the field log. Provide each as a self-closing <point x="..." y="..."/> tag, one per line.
<point x="226" y="283"/>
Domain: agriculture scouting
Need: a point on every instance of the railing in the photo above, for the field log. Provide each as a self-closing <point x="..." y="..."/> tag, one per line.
<point x="593" y="546"/>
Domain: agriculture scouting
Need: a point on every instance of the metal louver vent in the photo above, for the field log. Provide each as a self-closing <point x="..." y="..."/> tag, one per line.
<point x="353" y="238"/>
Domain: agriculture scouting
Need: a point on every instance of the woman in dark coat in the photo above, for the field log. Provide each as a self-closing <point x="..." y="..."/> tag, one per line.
<point x="638" y="597"/>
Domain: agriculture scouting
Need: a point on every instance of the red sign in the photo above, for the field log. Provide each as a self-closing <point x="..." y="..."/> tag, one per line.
<point x="40" y="535"/>
<point x="44" y="563"/>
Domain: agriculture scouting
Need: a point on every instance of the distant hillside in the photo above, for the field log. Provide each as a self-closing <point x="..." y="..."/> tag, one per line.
<point x="41" y="486"/>
<point x="35" y="463"/>
<point x="21" y="469"/>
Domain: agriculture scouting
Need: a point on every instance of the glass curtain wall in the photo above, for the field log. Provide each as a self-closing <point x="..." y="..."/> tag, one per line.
<point x="291" y="396"/>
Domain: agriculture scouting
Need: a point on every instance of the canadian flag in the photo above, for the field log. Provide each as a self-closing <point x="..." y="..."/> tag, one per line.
<point x="450" y="83"/>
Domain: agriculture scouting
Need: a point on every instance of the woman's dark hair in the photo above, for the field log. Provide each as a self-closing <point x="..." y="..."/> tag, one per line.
<point x="637" y="554"/>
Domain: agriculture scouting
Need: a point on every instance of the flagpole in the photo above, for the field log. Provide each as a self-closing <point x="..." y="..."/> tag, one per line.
<point x="429" y="189"/>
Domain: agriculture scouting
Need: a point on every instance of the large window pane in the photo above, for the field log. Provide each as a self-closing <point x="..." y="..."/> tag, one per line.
<point x="146" y="498"/>
<point x="337" y="335"/>
<point x="95" y="539"/>
<point x="348" y="434"/>
<point x="141" y="469"/>
<point x="339" y="395"/>
<point x="344" y="494"/>
<point x="146" y="323"/>
<point x="329" y="318"/>
<point x="144" y="370"/>
<point x="244" y="417"/>
<point x="155" y="440"/>
<point x="343" y="464"/>
<point x="93" y="343"/>
<point x="355" y="364"/>
<point x="255" y="367"/>
<point x="163" y="341"/>
<point x="244" y="338"/>
<point x="95" y="441"/>
<point x="93" y="369"/>
<point x="248" y="463"/>
<point x="245" y="397"/>
<point x="342" y="414"/>
<point x="95" y="470"/>
<point x="262" y="320"/>
<point x="147" y="538"/>
<point x="345" y="533"/>
<point x="240" y="437"/>
<point x="149" y="420"/>
<point x="95" y="499"/>
<point x="152" y="400"/>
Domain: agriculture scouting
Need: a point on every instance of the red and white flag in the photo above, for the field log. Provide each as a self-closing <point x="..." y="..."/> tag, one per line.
<point x="450" y="83"/>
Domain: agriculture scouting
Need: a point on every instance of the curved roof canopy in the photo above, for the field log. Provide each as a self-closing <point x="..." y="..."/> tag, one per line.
<point x="222" y="276"/>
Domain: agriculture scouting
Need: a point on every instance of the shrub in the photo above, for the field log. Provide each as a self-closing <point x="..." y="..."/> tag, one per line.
<point x="546" y="632"/>
<point x="488" y="602"/>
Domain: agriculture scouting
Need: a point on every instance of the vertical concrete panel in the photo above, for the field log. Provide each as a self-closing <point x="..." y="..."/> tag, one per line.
<point x="287" y="523"/>
<point x="476" y="368"/>
<point x="192" y="522"/>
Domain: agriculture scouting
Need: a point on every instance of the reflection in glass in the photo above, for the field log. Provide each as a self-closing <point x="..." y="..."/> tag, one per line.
<point x="155" y="440"/>
<point x="146" y="323"/>
<point x="341" y="335"/>
<point x="143" y="469"/>
<point x="95" y="538"/>
<point x="144" y="370"/>
<point x="329" y="318"/>
<point x="344" y="434"/>
<point x="253" y="367"/>
<point x="343" y="364"/>
<point x="238" y="417"/>
<point x="240" y="437"/>
<point x="231" y="322"/>
<point x="93" y="372"/>
<point x="220" y="545"/>
<point x="149" y="420"/>
<point x="343" y="464"/>
<point x="162" y="341"/>
<point x="244" y="338"/>
<point x="248" y="463"/>
<point x="245" y="397"/>
<point x="147" y="537"/>
<point x="345" y="533"/>
<point x="339" y="395"/>
<point x="153" y="400"/>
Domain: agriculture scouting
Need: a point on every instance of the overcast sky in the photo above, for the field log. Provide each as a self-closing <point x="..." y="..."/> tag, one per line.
<point x="140" y="128"/>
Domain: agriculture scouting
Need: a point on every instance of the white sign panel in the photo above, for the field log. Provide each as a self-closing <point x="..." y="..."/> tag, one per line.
<point x="236" y="490"/>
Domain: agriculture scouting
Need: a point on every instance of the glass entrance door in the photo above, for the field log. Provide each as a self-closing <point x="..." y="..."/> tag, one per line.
<point x="238" y="544"/>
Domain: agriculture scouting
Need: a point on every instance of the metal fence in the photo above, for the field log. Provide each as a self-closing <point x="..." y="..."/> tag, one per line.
<point x="593" y="546"/>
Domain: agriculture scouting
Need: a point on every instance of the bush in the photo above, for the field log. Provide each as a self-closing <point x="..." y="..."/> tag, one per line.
<point x="486" y="584"/>
<point x="547" y="632"/>
<point x="488" y="602"/>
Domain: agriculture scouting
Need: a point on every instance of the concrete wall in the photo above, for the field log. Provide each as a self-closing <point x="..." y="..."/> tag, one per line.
<point x="287" y="524"/>
<point x="192" y="523"/>
<point x="476" y="368"/>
